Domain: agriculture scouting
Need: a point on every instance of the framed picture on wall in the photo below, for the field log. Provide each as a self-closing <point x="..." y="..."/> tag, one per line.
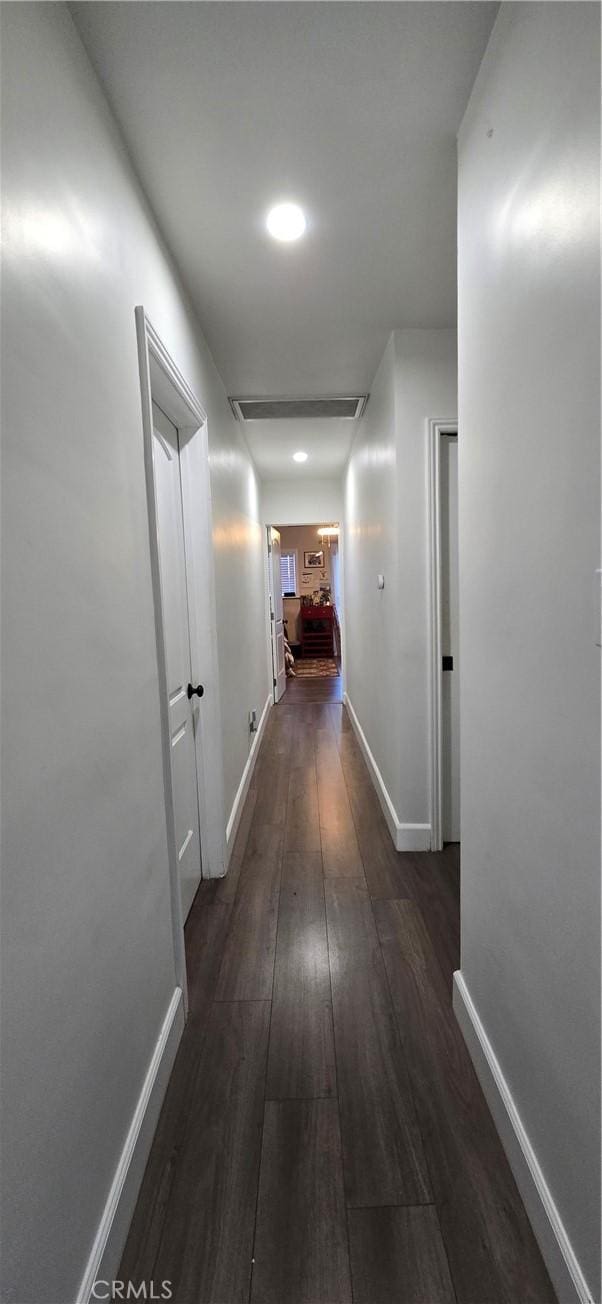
<point x="314" y="559"/>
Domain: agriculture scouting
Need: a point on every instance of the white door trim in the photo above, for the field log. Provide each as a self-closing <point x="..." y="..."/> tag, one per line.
<point x="275" y="605"/>
<point x="270" y="610"/>
<point x="162" y="382"/>
<point x="435" y="427"/>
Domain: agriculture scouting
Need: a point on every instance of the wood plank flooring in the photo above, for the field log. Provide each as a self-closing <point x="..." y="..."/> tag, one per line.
<point x="324" y="1139"/>
<point x="327" y="689"/>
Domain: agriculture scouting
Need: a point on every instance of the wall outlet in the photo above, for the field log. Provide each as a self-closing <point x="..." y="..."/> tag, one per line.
<point x="253" y="721"/>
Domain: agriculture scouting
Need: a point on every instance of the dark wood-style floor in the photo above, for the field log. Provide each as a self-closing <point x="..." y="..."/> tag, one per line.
<point x="326" y="689"/>
<point x="324" y="1138"/>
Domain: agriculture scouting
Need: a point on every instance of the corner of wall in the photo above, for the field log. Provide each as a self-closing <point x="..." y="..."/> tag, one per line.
<point x="405" y="837"/>
<point x="550" y="1232"/>
<point x="117" y="1214"/>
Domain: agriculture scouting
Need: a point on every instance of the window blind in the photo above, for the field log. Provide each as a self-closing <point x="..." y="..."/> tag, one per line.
<point x="288" y="574"/>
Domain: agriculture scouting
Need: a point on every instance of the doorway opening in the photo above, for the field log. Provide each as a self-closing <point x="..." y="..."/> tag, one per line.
<point x="305" y="606"/>
<point x="445" y="633"/>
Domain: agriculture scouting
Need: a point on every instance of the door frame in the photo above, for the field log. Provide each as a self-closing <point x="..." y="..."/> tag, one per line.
<point x="271" y="617"/>
<point x="162" y="382"/>
<point x="296" y="525"/>
<point x="435" y="428"/>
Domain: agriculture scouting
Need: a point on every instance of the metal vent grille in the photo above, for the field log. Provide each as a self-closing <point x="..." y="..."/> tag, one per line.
<point x="271" y="409"/>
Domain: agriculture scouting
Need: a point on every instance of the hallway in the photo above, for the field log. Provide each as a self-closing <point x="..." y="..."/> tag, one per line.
<point x="324" y="1138"/>
<point x="327" y="272"/>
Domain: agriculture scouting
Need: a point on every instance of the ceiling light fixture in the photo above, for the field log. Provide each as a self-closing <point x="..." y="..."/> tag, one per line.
<point x="300" y="456"/>
<point x="328" y="531"/>
<point x="286" y="222"/>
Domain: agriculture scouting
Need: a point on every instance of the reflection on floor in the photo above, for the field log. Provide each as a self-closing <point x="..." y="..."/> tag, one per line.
<point x="324" y="1138"/>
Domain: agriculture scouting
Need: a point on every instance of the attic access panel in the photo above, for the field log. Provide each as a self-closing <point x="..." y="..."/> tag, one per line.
<point x="278" y="409"/>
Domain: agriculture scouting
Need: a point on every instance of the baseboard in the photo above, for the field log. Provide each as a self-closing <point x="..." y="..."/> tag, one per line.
<point x="550" y="1232"/>
<point x="406" y="837"/>
<point x="119" y="1208"/>
<point x="243" y="787"/>
<point x="413" y="837"/>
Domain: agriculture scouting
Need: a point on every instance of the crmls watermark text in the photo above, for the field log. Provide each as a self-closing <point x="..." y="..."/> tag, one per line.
<point x="144" y="1290"/>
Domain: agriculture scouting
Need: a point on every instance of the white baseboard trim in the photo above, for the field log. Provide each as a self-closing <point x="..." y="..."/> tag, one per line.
<point x="119" y="1208"/>
<point x="550" y="1232"/>
<point x="406" y="837"/>
<point x="243" y="787"/>
<point x="413" y="837"/>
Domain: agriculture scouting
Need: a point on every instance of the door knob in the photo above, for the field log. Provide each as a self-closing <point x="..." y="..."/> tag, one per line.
<point x="199" y="690"/>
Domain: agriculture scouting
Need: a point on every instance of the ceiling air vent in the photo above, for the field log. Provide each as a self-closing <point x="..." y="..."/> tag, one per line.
<point x="278" y="409"/>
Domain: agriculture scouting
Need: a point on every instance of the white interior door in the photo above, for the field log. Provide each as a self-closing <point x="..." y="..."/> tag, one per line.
<point x="277" y="616"/>
<point x="183" y="708"/>
<point x="450" y="640"/>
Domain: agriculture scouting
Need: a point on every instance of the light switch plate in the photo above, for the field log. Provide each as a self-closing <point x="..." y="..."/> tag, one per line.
<point x="380" y="579"/>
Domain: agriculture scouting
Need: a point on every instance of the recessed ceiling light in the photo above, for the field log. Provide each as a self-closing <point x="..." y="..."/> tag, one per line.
<point x="300" y="456"/>
<point x="286" y="222"/>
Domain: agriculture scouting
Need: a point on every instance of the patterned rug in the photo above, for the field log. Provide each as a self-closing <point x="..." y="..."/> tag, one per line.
<point x="316" y="668"/>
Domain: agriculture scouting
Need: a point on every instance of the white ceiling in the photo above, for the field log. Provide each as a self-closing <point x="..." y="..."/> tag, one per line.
<point x="272" y="444"/>
<point x="351" y="109"/>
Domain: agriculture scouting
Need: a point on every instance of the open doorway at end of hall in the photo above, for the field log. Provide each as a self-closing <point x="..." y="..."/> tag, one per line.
<point x="305" y="612"/>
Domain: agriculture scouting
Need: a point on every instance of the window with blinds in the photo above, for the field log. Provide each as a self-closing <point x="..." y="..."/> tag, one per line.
<point x="288" y="574"/>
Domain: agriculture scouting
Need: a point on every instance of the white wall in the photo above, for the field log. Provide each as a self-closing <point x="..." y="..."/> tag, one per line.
<point x="301" y="499"/>
<point x="305" y="538"/>
<point x="529" y="543"/>
<point x="239" y="546"/>
<point x="385" y="532"/>
<point x="370" y="548"/>
<point x="87" y="951"/>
